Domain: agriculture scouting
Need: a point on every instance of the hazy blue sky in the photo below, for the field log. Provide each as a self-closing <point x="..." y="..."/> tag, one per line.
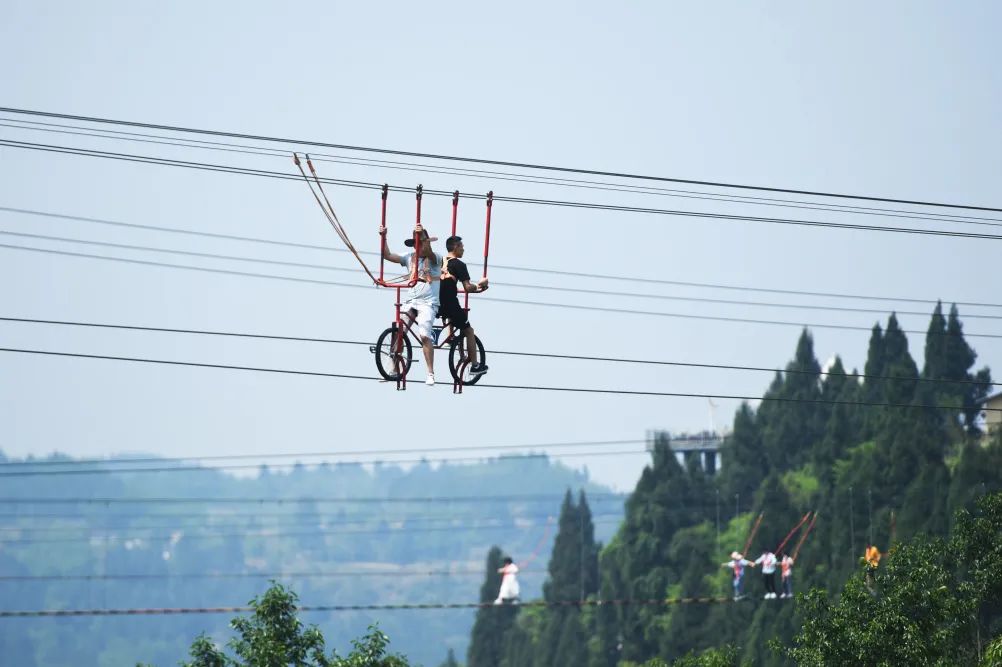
<point x="899" y="99"/>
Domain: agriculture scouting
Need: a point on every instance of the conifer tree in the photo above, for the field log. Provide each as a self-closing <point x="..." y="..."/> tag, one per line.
<point x="875" y="366"/>
<point x="794" y="423"/>
<point x="935" y="346"/>
<point x="743" y="463"/>
<point x="450" y="660"/>
<point x="845" y="420"/>
<point x="959" y="360"/>
<point x="492" y="622"/>
<point x="899" y="365"/>
<point x="573" y="575"/>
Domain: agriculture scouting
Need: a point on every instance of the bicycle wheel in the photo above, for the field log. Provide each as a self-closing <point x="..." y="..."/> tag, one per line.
<point x="393" y="353"/>
<point x="457" y="357"/>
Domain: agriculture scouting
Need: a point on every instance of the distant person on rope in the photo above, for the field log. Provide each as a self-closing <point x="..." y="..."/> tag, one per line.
<point x="768" y="562"/>
<point x="455" y="273"/>
<point x="871" y="558"/>
<point x="509" y="584"/>
<point x="786" y="569"/>
<point x="737" y="563"/>
<point x="422" y="299"/>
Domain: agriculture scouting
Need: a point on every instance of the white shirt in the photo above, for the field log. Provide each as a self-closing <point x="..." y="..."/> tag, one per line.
<point x="424" y="292"/>
<point x="509" y="584"/>
<point x="768" y="562"/>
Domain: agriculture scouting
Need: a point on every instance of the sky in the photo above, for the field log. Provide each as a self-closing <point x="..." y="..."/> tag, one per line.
<point x="896" y="99"/>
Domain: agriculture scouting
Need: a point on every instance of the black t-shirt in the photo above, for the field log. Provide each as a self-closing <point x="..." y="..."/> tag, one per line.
<point x="448" y="293"/>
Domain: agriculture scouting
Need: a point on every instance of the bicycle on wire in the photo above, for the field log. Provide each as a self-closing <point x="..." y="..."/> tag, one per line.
<point x="394" y="352"/>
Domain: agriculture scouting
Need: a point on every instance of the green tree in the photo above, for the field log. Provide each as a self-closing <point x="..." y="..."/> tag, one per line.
<point x="273" y="636"/>
<point x="490" y="629"/>
<point x="917" y="607"/>
<point x="450" y="660"/>
<point x="725" y="656"/>
<point x="573" y="575"/>
<point x="873" y="384"/>
<point x="845" y="421"/>
<point x="743" y="463"/>
<point x="791" y="424"/>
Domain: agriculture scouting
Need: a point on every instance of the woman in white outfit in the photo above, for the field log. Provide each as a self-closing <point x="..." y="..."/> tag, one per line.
<point x="509" y="584"/>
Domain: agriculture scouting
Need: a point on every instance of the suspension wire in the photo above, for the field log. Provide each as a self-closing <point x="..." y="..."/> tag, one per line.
<point x="267" y="533"/>
<point x="548" y="288"/>
<point x="541" y="355"/>
<point x="519" y="200"/>
<point x="298" y="520"/>
<point x="292" y="500"/>
<point x="575" y="274"/>
<point x="521" y="165"/>
<point x="579" y="390"/>
<point x="503" y="176"/>
<point x="160" y="611"/>
<point x="364" y="574"/>
<point x="328" y="454"/>
<point x="523" y="302"/>
<point x="294" y="516"/>
<point x="253" y="466"/>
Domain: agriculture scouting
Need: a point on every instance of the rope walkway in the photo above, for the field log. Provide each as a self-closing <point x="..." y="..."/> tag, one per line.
<point x="164" y="611"/>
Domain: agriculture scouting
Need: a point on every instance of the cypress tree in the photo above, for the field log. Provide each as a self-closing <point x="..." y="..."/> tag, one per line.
<point x="589" y="548"/>
<point x="935" y="346"/>
<point x="743" y="464"/>
<point x="959" y="359"/>
<point x="493" y="622"/>
<point x="873" y="385"/>
<point x="450" y="660"/>
<point x="844" y="421"/>
<point x="564" y="569"/>
<point x="790" y="427"/>
<point x="573" y="575"/>
<point x="898" y="364"/>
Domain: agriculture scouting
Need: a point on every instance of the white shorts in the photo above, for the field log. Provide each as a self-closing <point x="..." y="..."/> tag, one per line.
<point x="425" y="317"/>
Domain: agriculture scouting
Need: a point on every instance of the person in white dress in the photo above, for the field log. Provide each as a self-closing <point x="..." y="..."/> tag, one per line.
<point x="509" y="583"/>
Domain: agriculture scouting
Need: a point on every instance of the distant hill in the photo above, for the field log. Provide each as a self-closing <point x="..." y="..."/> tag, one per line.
<point x="338" y="534"/>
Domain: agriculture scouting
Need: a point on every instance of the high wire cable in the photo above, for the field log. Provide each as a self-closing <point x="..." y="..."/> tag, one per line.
<point x="519" y="165"/>
<point x="162" y="611"/>
<point x="329" y="454"/>
<point x="207" y="518"/>
<point x="221" y="514"/>
<point x="145" y="159"/>
<point x="180" y="576"/>
<point x="574" y="274"/>
<point x="596" y="308"/>
<point x="217" y="505"/>
<point x="533" y="286"/>
<point x="266" y="533"/>
<point x="542" y="355"/>
<point x="253" y="466"/>
<point x="494" y="175"/>
<point x="298" y="521"/>
<point x="293" y="500"/>
<point x="577" y="390"/>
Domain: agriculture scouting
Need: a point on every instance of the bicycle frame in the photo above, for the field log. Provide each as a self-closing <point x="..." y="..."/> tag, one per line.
<point x="413" y="280"/>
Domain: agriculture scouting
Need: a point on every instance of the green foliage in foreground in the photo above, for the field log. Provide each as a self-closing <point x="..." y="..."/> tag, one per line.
<point x="273" y="636"/>
<point x="930" y="602"/>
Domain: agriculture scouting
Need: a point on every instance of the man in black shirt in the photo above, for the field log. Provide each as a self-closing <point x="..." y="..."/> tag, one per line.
<point x="455" y="272"/>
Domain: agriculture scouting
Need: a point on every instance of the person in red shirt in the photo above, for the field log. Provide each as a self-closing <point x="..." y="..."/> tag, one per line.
<point x="786" y="567"/>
